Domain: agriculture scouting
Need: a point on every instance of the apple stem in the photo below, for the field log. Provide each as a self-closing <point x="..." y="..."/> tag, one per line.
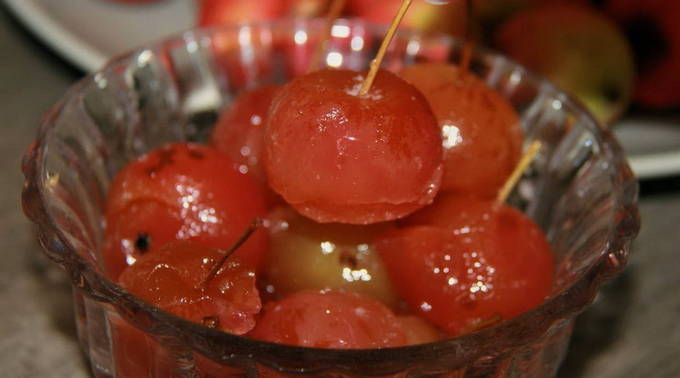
<point x="254" y="225"/>
<point x="375" y="63"/>
<point x="333" y="13"/>
<point x="524" y="162"/>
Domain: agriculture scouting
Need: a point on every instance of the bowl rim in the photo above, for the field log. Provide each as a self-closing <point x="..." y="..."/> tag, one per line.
<point x="561" y="306"/>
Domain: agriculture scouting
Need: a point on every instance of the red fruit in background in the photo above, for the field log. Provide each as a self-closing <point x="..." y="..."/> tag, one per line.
<point x="449" y="18"/>
<point x="239" y="131"/>
<point x="482" y="139"/>
<point x="653" y="28"/>
<point x="329" y="319"/>
<point x="577" y="48"/>
<point x="491" y="263"/>
<point x="173" y="278"/>
<point x="182" y="191"/>
<point x="307" y="8"/>
<point x="337" y="156"/>
<point x="135" y="1"/>
<point x="218" y="12"/>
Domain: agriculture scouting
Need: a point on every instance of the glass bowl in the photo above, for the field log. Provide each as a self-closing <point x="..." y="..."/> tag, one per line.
<point x="579" y="189"/>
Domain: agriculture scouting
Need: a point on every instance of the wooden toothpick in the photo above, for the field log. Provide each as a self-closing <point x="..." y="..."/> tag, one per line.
<point x="524" y="162"/>
<point x="257" y="222"/>
<point x="375" y="63"/>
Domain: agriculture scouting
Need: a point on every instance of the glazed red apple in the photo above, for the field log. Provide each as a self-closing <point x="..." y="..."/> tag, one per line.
<point x="480" y="130"/>
<point x="177" y="278"/>
<point x="469" y="263"/>
<point x="181" y="191"/>
<point x="329" y="319"/>
<point x="579" y="49"/>
<point x="337" y="156"/>
<point x="240" y="129"/>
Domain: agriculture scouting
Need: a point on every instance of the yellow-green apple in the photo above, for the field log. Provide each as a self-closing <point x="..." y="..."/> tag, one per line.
<point x="307" y="255"/>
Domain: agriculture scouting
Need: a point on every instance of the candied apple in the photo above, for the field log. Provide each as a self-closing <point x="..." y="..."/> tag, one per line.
<point x="329" y="319"/>
<point x="238" y="132"/>
<point x="471" y="262"/>
<point x="339" y="156"/>
<point x="308" y="255"/>
<point x="177" y="278"/>
<point x="481" y="135"/>
<point x="182" y="191"/>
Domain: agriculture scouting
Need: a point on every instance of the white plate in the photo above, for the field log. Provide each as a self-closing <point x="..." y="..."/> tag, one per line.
<point x="89" y="32"/>
<point x="652" y="145"/>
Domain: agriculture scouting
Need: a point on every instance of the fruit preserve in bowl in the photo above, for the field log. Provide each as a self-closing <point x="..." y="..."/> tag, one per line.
<point x="579" y="190"/>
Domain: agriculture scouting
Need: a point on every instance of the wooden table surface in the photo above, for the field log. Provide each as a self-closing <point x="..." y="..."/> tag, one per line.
<point x="631" y="331"/>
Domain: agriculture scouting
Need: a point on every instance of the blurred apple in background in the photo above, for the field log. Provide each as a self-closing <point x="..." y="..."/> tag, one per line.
<point x="308" y="8"/>
<point x="577" y="48"/>
<point x="653" y="28"/>
<point x="448" y="18"/>
<point x="491" y="13"/>
<point x="569" y="41"/>
<point x="216" y="12"/>
<point x="135" y="1"/>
